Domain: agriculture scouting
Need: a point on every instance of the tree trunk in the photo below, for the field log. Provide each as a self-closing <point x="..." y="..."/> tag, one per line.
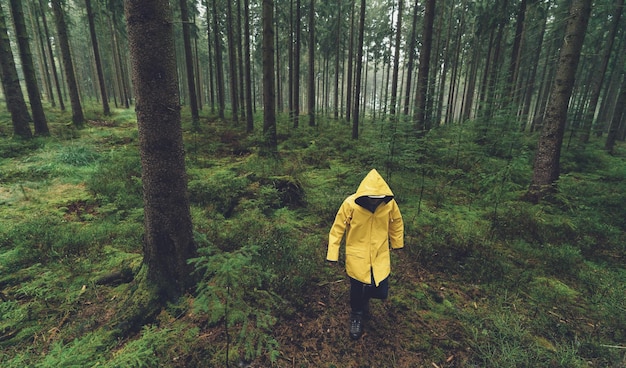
<point x="240" y="77"/>
<point x="55" y="73"/>
<point x="28" y="67"/>
<point x="311" y="94"/>
<point x="424" y="66"/>
<point x="279" y="84"/>
<point x="491" y="86"/>
<point x="296" y="68"/>
<point x="11" y="85"/>
<point x="232" y="62"/>
<point x="269" y="106"/>
<point x="118" y="67"/>
<point x="124" y="76"/>
<point x="219" y="72"/>
<point x="396" y="60"/>
<point x="44" y="67"/>
<point x="191" y="84"/>
<point x="546" y="168"/>
<point x="290" y="57"/>
<point x="411" y="62"/>
<point x="78" y="118"/>
<point x="210" y="67"/>
<point x="350" y="91"/>
<point x="530" y="85"/>
<point x="168" y="239"/>
<point x="618" y="118"/>
<point x="338" y="56"/>
<point x="357" y="77"/>
<point x="516" y="50"/>
<point x="96" y="53"/>
<point x="455" y="79"/>
<point x="248" y="68"/>
<point x="596" y="86"/>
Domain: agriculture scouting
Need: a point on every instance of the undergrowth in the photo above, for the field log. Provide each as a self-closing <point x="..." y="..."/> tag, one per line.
<point x="486" y="279"/>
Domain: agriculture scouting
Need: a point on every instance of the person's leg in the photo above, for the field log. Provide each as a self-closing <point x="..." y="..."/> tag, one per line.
<point x="358" y="302"/>
<point x="359" y="296"/>
<point x="381" y="291"/>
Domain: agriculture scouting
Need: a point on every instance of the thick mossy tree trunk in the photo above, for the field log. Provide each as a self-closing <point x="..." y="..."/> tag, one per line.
<point x="168" y="239"/>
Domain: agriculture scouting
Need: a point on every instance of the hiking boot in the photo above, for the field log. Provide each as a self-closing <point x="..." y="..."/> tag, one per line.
<point x="356" y="326"/>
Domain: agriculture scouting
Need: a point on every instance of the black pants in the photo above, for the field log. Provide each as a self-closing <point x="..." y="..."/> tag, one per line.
<point x="361" y="293"/>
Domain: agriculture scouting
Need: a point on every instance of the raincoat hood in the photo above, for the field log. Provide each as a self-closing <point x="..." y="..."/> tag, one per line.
<point x="372" y="191"/>
<point x="373" y="185"/>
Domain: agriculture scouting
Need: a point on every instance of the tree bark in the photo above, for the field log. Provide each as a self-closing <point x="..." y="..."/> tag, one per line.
<point x="338" y="56"/>
<point x="11" y="85"/>
<point x="618" y="118"/>
<point x="191" y="84"/>
<point x="44" y="67"/>
<point x="269" y="106"/>
<point x="546" y="167"/>
<point x="296" y="68"/>
<point x="311" y="94"/>
<point x="596" y="86"/>
<point x="424" y="66"/>
<point x="516" y="50"/>
<point x="357" y="77"/>
<point x="210" y="66"/>
<point x="55" y="73"/>
<point x="96" y="52"/>
<point x="28" y="67"/>
<point x="219" y="72"/>
<point x="411" y="61"/>
<point x="168" y="239"/>
<point x="248" y="68"/>
<point x="232" y="62"/>
<point x="396" y="60"/>
<point x="350" y="91"/>
<point x="78" y="118"/>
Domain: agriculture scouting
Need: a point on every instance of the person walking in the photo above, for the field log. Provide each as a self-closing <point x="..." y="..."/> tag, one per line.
<point x="369" y="219"/>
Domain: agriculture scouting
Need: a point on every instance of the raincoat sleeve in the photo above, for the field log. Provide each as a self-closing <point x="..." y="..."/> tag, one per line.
<point x="396" y="227"/>
<point x="342" y="221"/>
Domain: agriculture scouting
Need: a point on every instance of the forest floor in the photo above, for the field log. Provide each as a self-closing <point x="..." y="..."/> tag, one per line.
<point x="485" y="279"/>
<point x="392" y="334"/>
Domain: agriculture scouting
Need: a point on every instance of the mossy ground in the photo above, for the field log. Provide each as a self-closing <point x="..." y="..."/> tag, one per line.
<point x="486" y="280"/>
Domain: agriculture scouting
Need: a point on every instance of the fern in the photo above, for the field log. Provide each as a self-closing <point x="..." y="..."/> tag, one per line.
<point x="232" y="291"/>
<point x="142" y="352"/>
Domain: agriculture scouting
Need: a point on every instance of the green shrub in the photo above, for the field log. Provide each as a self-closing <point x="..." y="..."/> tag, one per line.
<point x="582" y="160"/>
<point x="10" y="148"/>
<point x="221" y="191"/>
<point x="77" y="155"/>
<point x="446" y="237"/>
<point x="30" y="242"/>
<point x="234" y="290"/>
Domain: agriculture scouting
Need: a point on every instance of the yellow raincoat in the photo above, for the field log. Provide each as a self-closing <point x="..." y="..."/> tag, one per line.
<point x="368" y="231"/>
